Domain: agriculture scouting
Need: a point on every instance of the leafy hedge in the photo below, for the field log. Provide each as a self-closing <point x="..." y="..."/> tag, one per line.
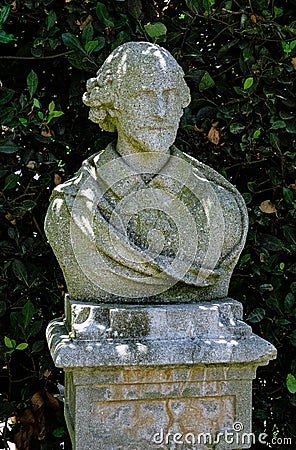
<point x="240" y="62"/>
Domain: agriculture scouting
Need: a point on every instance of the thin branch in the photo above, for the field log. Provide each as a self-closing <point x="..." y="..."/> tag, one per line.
<point x="266" y="190"/>
<point x="218" y="34"/>
<point x="246" y="164"/>
<point x="37" y="58"/>
<point x="228" y="68"/>
<point x="23" y="195"/>
<point x="20" y="380"/>
<point x="186" y="32"/>
<point x="37" y="226"/>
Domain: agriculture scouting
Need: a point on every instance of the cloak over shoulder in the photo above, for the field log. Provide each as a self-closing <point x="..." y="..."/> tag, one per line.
<point x="120" y="235"/>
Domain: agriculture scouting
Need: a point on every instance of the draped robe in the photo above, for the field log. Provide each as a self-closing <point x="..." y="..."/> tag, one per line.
<point x="124" y="236"/>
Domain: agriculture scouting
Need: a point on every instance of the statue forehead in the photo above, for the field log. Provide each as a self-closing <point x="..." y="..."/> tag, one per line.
<point x="143" y="60"/>
<point x="149" y="79"/>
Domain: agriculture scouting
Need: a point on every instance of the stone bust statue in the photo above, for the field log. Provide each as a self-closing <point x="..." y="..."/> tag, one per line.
<point x="142" y="222"/>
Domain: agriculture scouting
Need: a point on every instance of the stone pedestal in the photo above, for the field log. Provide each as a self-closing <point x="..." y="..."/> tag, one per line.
<point x="157" y="377"/>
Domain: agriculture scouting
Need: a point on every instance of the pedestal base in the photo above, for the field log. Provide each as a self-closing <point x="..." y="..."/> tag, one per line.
<point x="158" y="377"/>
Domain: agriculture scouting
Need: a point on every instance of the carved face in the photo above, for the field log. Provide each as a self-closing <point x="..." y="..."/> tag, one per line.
<point x="149" y="108"/>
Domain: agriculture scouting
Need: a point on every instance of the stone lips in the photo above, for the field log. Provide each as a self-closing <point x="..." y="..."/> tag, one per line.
<point x="164" y="276"/>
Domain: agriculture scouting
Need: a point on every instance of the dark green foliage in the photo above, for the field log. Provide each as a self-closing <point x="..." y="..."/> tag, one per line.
<point x="239" y="58"/>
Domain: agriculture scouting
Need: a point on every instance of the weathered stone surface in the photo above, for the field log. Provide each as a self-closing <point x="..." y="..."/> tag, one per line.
<point x="209" y="333"/>
<point x="156" y="356"/>
<point x="142" y="222"/>
<point x="140" y="377"/>
<point x="144" y="408"/>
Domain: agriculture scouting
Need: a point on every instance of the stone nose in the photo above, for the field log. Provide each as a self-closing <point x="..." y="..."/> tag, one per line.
<point x="159" y="107"/>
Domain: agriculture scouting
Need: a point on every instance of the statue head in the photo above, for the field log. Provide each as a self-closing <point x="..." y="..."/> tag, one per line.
<point x="140" y="92"/>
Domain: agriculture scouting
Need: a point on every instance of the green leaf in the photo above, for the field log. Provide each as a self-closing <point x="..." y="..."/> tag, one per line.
<point x="236" y="128"/>
<point x="103" y="15"/>
<point x="121" y="38"/>
<point x="256" y="315"/>
<point x="293" y="287"/>
<point x="21" y="346"/>
<point x="278" y="124"/>
<point x="101" y="43"/>
<point x="4" y="13"/>
<point x="6" y="115"/>
<point x="11" y="181"/>
<point x="23" y="121"/>
<point x="289" y="301"/>
<point x="32" y="82"/>
<point x="283" y="321"/>
<point x="51" y="106"/>
<point x="50" y="20"/>
<point x="291" y="383"/>
<point x="288" y="46"/>
<point x="256" y="134"/>
<point x="278" y="12"/>
<point x="6" y="96"/>
<point x="156" y="29"/>
<point x="91" y="45"/>
<point x="248" y="83"/>
<point x="35" y="328"/>
<point x="58" y="432"/>
<point x="36" y="103"/>
<point x="53" y="115"/>
<point x="6" y="38"/>
<point x="274" y="304"/>
<point x="8" y="342"/>
<point x="9" y="147"/>
<point x="72" y="42"/>
<point x="16" y="320"/>
<point x="245" y="259"/>
<point x="87" y="34"/>
<point x="195" y="6"/>
<point x="53" y="43"/>
<point x="286" y="115"/>
<point x="272" y="243"/>
<point x="206" y="82"/>
<point x="81" y="62"/>
<point x="275" y="141"/>
<point x="7" y="248"/>
<point x="28" y="312"/>
<point x="38" y="346"/>
<point x="19" y="270"/>
<point x="7" y="409"/>
<point x="247" y="197"/>
<point x="288" y="195"/>
<point x="289" y="233"/>
<point x="13" y="233"/>
<point x="28" y="205"/>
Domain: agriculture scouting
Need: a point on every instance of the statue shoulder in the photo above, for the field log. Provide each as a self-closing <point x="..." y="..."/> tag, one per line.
<point x="229" y="197"/>
<point x="212" y="175"/>
<point x="87" y="170"/>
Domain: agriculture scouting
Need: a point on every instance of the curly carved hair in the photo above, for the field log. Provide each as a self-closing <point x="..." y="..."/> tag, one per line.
<point x="126" y="60"/>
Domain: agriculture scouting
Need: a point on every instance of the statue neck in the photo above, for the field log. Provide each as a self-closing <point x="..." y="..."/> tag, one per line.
<point x="141" y="159"/>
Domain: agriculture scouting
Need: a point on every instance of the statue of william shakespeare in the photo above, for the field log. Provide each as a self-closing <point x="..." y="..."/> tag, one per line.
<point x="142" y="222"/>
